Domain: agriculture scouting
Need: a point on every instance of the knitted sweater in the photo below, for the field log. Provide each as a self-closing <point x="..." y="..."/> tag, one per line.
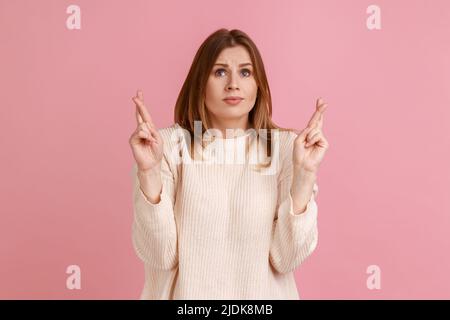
<point x="221" y="230"/>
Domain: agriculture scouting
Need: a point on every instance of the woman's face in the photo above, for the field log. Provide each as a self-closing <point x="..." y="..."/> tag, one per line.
<point x="232" y="75"/>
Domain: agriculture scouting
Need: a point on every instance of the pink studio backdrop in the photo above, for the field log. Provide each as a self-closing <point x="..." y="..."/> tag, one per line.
<point x="66" y="115"/>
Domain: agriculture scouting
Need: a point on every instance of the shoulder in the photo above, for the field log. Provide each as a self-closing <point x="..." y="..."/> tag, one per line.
<point x="286" y="140"/>
<point x="168" y="132"/>
<point x="172" y="136"/>
<point x="290" y="135"/>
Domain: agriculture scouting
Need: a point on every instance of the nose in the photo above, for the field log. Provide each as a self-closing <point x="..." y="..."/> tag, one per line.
<point x="232" y="84"/>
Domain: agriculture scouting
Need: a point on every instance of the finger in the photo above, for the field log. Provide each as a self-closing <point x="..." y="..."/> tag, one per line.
<point x="314" y="139"/>
<point x="312" y="133"/>
<point x="145" y="135"/>
<point x="320" y="108"/>
<point x="320" y="123"/>
<point x="142" y="110"/>
<point x="153" y="132"/>
<point x="319" y="140"/>
<point x="323" y="143"/>
<point x="304" y="132"/>
<point x="139" y="113"/>
<point x="140" y="95"/>
<point x="151" y="129"/>
<point x="138" y="116"/>
<point x="316" y="113"/>
<point x="143" y="126"/>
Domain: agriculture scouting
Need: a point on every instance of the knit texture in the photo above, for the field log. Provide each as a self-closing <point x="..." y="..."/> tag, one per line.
<point x="221" y="230"/>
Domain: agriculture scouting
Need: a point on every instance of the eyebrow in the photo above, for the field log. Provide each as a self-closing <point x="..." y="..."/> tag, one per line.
<point x="241" y="65"/>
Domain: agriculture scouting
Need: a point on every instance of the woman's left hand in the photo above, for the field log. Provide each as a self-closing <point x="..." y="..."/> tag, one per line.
<point x="310" y="145"/>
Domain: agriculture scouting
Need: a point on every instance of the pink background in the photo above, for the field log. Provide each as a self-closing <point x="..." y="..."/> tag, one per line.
<point x="66" y="115"/>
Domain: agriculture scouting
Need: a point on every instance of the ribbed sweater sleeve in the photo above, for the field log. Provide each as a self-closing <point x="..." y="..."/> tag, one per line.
<point x="154" y="232"/>
<point x="294" y="236"/>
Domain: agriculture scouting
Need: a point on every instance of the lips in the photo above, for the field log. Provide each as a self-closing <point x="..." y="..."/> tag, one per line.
<point x="233" y="101"/>
<point x="233" y="98"/>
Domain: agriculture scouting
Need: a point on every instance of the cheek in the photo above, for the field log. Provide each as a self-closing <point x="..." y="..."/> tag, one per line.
<point x="252" y="90"/>
<point x="212" y="91"/>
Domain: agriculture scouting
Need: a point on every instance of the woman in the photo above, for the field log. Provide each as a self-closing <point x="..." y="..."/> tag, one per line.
<point x="215" y="230"/>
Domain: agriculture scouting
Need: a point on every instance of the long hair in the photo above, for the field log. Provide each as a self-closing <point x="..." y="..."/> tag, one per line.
<point x="190" y="105"/>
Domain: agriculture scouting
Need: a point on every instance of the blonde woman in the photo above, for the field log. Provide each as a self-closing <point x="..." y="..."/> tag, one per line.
<point x="209" y="229"/>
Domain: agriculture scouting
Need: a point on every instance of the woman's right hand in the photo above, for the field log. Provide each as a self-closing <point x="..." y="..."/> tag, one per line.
<point x="146" y="142"/>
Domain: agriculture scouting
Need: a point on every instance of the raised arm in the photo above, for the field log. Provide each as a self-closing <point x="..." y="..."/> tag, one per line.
<point x="153" y="230"/>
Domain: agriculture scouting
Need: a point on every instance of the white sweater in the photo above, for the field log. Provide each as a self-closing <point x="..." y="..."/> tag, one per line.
<point x="221" y="230"/>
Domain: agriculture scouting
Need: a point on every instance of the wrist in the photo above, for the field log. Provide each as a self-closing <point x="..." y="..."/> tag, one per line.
<point x="300" y="171"/>
<point x="155" y="171"/>
<point x="302" y="188"/>
<point x="151" y="184"/>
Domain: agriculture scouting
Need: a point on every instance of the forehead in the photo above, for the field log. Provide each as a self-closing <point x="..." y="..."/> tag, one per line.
<point x="234" y="56"/>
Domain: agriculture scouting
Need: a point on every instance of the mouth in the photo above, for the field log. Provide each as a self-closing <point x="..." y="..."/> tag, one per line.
<point x="233" y="100"/>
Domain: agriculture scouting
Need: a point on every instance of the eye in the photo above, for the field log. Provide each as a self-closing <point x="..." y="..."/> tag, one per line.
<point x="247" y="71"/>
<point x="217" y="71"/>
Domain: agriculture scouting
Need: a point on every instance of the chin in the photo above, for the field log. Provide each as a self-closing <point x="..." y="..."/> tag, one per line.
<point x="233" y="114"/>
